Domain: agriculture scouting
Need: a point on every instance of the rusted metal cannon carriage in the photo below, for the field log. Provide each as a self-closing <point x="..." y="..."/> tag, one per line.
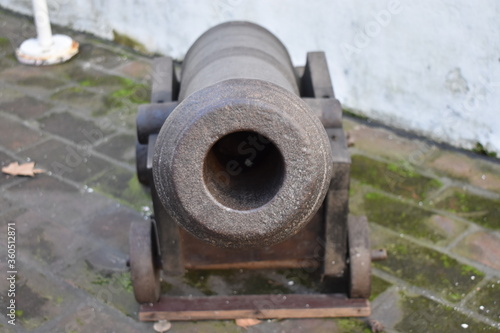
<point x="248" y="167"/>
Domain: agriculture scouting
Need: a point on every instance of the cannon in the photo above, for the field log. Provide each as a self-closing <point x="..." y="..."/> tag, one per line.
<point x="248" y="167"/>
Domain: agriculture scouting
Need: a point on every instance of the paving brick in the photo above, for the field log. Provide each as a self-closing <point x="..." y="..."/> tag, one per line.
<point x="379" y="286"/>
<point x="16" y="28"/>
<point x="120" y="147"/>
<point x="386" y="308"/>
<point x="47" y="83"/>
<point x="15" y="136"/>
<point x="421" y="314"/>
<point x="121" y="104"/>
<point x="6" y="327"/>
<point x="411" y="220"/>
<point x="94" y="79"/>
<point x="6" y="204"/>
<point x="87" y="76"/>
<point x="26" y="107"/>
<point x="98" y="55"/>
<point x="79" y="98"/>
<point x="7" y="61"/>
<point x="213" y="326"/>
<point x="8" y="94"/>
<point x="424" y="267"/>
<point x="124" y="186"/>
<point x="107" y="260"/>
<point x="4" y="283"/>
<point x="478" y="172"/>
<point x="50" y="243"/>
<point x="20" y="72"/>
<point x="482" y="247"/>
<point x="341" y="325"/>
<point x="384" y="143"/>
<point x="42" y="183"/>
<point x="77" y="163"/>
<point x="89" y="316"/>
<point x="398" y="178"/>
<point x="122" y="117"/>
<point x="10" y="215"/>
<point x="137" y="69"/>
<point x="111" y="225"/>
<point x="487" y="300"/>
<point x="5" y="45"/>
<point x="32" y="76"/>
<point x="130" y="93"/>
<point x="483" y="211"/>
<point x="39" y="299"/>
<point x="50" y="199"/>
<point x="113" y="289"/>
<point x="73" y="128"/>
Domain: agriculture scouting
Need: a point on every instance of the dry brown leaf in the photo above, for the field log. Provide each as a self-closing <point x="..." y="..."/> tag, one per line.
<point x="247" y="322"/>
<point x="25" y="169"/>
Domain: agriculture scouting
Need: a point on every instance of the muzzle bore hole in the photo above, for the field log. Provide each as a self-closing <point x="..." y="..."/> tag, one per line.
<point x="244" y="170"/>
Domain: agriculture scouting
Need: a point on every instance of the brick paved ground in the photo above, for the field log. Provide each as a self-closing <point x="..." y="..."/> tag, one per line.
<point x="435" y="210"/>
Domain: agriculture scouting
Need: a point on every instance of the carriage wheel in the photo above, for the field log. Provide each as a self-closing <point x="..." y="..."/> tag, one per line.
<point x="144" y="261"/>
<point x="359" y="257"/>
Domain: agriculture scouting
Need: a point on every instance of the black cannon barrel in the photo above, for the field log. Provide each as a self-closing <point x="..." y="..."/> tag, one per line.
<point x="242" y="161"/>
<point x="237" y="50"/>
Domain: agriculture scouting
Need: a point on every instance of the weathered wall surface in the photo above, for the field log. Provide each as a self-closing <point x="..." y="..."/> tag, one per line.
<point x="431" y="66"/>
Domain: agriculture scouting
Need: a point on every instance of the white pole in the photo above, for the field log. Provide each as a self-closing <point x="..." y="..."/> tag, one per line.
<point x="46" y="49"/>
<point x="42" y="22"/>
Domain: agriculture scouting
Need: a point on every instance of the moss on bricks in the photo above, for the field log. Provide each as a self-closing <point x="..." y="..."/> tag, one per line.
<point x="43" y="82"/>
<point x="423" y="315"/>
<point x="136" y="193"/>
<point x="31" y="311"/>
<point x="240" y="282"/>
<point x="4" y="42"/>
<point x="32" y="302"/>
<point x="6" y="61"/>
<point x="354" y="114"/>
<point x="483" y="211"/>
<point x="397" y="178"/>
<point x="479" y="149"/>
<point x="429" y="269"/>
<point x="123" y="186"/>
<point x="199" y="279"/>
<point x="378" y="286"/>
<point x="487" y="300"/>
<point x="122" y="280"/>
<point x="114" y="289"/>
<point x="165" y="287"/>
<point x="351" y="325"/>
<point x="408" y="219"/>
<point x="259" y="284"/>
<point x="104" y="80"/>
<point x="72" y="94"/>
<point x="6" y="50"/>
<point x="129" y="94"/>
<point x="398" y="216"/>
<point x="128" y="42"/>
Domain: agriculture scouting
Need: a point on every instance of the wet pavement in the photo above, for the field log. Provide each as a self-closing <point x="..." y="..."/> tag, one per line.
<point x="436" y="210"/>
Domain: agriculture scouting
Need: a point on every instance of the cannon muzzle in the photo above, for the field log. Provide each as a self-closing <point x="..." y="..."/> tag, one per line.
<point x="242" y="161"/>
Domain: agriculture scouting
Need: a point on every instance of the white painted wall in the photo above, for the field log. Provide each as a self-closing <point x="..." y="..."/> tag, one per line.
<point x="430" y="66"/>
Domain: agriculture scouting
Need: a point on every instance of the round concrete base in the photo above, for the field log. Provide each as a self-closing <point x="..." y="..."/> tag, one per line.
<point x="31" y="53"/>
